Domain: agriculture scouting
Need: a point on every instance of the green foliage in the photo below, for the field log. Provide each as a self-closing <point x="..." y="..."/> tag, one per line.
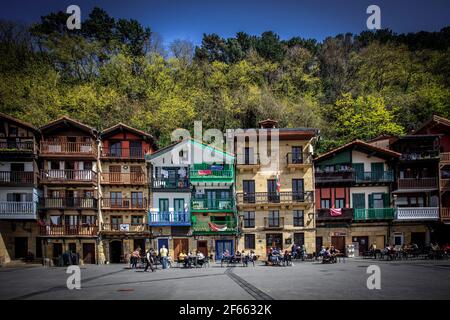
<point x="349" y="86"/>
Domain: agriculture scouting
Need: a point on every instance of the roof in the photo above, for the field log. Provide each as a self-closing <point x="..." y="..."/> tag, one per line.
<point x="19" y="122"/>
<point x="283" y="133"/>
<point x="120" y="126"/>
<point x="64" y="120"/>
<point x="361" y="144"/>
<point x="435" y="120"/>
<point x="381" y="137"/>
<point x="173" y="145"/>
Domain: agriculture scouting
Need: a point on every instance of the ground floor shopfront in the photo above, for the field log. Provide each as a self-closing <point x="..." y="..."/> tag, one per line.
<point x="53" y="248"/>
<point x="364" y="235"/>
<point x="261" y="241"/>
<point x="17" y="239"/>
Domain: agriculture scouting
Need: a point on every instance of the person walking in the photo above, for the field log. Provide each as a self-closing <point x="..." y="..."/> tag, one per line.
<point x="150" y="259"/>
<point x="163" y="253"/>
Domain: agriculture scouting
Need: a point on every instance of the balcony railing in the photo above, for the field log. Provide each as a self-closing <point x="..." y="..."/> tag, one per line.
<point x="68" y="148"/>
<point x="17" y="210"/>
<point x="214" y="227"/>
<point x="17" y="177"/>
<point x="374" y="214"/>
<point x="68" y="230"/>
<point x="124" y="204"/>
<point x="298" y="158"/>
<point x="445" y="157"/>
<point x="202" y="172"/>
<point x="445" y="213"/>
<point x="161" y="184"/>
<point x="419" y="155"/>
<point x="202" y="203"/>
<point x="418" y="213"/>
<point x="282" y="197"/>
<point x="328" y="215"/>
<point x="374" y="176"/>
<point x="251" y="159"/>
<point x="58" y="176"/>
<point x="273" y="223"/>
<point x="169" y="219"/>
<point x="123" y="153"/>
<point x="417" y="183"/>
<point x="124" y="178"/>
<point x="335" y="176"/>
<point x="69" y="203"/>
<point x="125" y="227"/>
<point x="18" y="145"/>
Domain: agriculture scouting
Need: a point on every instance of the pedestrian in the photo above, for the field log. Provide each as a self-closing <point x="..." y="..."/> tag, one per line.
<point x="150" y="257"/>
<point x="163" y="253"/>
<point x="135" y="258"/>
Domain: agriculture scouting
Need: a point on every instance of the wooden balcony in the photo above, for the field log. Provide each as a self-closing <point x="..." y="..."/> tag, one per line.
<point x="169" y="219"/>
<point x="374" y="177"/>
<point x="118" y="178"/>
<point x="69" y="176"/>
<point x="124" y="204"/>
<point x="215" y="227"/>
<point x="417" y="213"/>
<point x="68" y="149"/>
<point x="75" y="203"/>
<point x="125" y="228"/>
<point x="273" y="223"/>
<point x="170" y="184"/>
<point x="275" y="198"/>
<point x="212" y="173"/>
<point x="445" y="184"/>
<point x="136" y="153"/>
<point x="346" y="176"/>
<point x="445" y="214"/>
<point x="326" y="215"/>
<point x="420" y="183"/>
<point x="63" y="230"/>
<point x="373" y="214"/>
<point x="445" y="157"/>
<point x="17" y="178"/>
<point x="201" y="203"/>
<point x="16" y="210"/>
<point x="14" y="145"/>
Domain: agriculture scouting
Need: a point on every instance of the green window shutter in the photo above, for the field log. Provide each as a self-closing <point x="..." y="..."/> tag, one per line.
<point x="386" y="201"/>
<point x="359" y="201"/>
<point x="359" y="170"/>
<point x="371" y="200"/>
<point x="377" y="169"/>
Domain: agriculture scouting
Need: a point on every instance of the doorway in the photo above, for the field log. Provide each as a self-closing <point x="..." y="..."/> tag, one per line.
<point x="418" y="238"/>
<point x="180" y="245"/>
<point x="20" y="247"/>
<point x="339" y="243"/>
<point x="163" y="242"/>
<point x="202" y="246"/>
<point x="274" y="240"/>
<point x="319" y="244"/>
<point x="89" y="253"/>
<point x="363" y="243"/>
<point x="115" y="253"/>
<point x="139" y="243"/>
<point x="221" y="246"/>
<point x="57" y="250"/>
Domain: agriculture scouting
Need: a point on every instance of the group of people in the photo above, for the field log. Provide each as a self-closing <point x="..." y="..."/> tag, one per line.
<point x="397" y="251"/>
<point x="275" y="256"/>
<point x="238" y="257"/>
<point x="299" y="252"/>
<point x="192" y="259"/>
<point x="328" y="254"/>
<point x="150" y="258"/>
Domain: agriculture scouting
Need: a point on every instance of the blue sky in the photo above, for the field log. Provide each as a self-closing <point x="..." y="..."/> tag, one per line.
<point x="189" y="19"/>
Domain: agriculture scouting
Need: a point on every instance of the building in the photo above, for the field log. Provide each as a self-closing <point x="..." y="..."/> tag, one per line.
<point x="69" y="182"/>
<point x="124" y="191"/>
<point x="18" y="189"/>
<point x="275" y="188"/>
<point x="169" y="215"/>
<point x="353" y="196"/>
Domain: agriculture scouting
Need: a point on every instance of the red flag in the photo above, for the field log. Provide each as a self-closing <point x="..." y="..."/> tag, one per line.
<point x="335" y="212"/>
<point x="278" y="183"/>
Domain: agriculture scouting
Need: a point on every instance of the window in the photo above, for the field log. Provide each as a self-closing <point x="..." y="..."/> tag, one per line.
<point x="325" y="203"/>
<point x="272" y="191"/>
<point x="274" y="218"/>
<point x="163" y="205"/>
<point x="249" y="219"/>
<point x="297" y="156"/>
<point x="297" y="190"/>
<point x="378" y="201"/>
<point x="136" y="200"/>
<point x="89" y="220"/>
<point x="249" y="156"/>
<point x="299" y="238"/>
<point x="137" y="219"/>
<point x="339" y="203"/>
<point x="116" y="198"/>
<point x="135" y="149"/>
<point x="115" y="149"/>
<point x="249" y="191"/>
<point x="71" y="220"/>
<point x="299" y="218"/>
<point x="249" y="241"/>
<point x="116" y="221"/>
<point x="178" y="205"/>
<point x="398" y="239"/>
<point x="13" y="131"/>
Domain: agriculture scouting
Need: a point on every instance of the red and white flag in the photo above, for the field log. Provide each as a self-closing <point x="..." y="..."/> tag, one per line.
<point x="278" y="183"/>
<point x="335" y="212"/>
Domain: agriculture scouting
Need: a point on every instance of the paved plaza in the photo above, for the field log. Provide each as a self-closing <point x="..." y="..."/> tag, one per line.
<point x="419" y="279"/>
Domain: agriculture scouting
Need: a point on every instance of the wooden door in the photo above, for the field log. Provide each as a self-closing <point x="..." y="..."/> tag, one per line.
<point x="89" y="253"/>
<point x="202" y="246"/>
<point x="180" y="245"/>
<point x="339" y="243"/>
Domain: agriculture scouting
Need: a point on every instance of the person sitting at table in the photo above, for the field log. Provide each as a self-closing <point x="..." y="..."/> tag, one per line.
<point x="200" y="258"/>
<point x="182" y="258"/>
<point x="276" y="256"/>
<point x="333" y="253"/>
<point x="238" y="256"/>
<point x="287" y="257"/>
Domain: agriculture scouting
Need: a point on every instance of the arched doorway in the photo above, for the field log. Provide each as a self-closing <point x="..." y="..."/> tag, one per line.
<point x="115" y="251"/>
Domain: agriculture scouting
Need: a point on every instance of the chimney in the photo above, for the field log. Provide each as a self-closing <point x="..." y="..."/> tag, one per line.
<point x="268" y="124"/>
